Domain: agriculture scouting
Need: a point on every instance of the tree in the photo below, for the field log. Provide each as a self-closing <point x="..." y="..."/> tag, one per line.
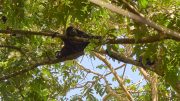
<point x="130" y="30"/>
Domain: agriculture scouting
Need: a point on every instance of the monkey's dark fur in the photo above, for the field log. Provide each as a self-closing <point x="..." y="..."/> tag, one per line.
<point x="71" y="46"/>
<point x="148" y="61"/>
<point x="4" y="19"/>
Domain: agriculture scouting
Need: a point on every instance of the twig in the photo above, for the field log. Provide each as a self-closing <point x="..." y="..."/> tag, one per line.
<point x="119" y="79"/>
<point x="110" y="90"/>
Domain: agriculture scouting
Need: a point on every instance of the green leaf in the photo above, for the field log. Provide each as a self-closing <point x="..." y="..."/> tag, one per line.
<point x="143" y="3"/>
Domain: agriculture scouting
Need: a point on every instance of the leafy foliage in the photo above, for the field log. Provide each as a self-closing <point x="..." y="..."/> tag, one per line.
<point x="56" y="81"/>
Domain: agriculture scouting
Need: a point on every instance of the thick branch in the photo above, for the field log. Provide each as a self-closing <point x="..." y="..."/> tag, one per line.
<point x="25" y="32"/>
<point x="150" y="39"/>
<point x="175" y="35"/>
<point x="125" y="59"/>
<point x="154" y="87"/>
<point x="121" y="58"/>
<point x="41" y="63"/>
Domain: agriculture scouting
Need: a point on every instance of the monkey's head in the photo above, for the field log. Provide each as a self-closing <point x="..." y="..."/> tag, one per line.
<point x="71" y="31"/>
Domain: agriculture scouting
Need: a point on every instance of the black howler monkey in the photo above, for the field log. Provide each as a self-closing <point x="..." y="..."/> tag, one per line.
<point x="148" y="61"/>
<point x="71" y="46"/>
<point x="4" y="19"/>
<point x="143" y="61"/>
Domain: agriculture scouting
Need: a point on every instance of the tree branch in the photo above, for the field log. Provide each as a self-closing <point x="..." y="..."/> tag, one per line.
<point x="125" y="59"/>
<point x="173" y="34"/>
<point x="26" y="32"/>
<point x="110" y="90"/>
<point x="41" y="63"/>
<point x="150" y="39"/>
<point x="11" y="47"/>
<point x="119" y="79"/>
<point x="131" y="8"/>
<point x="154" y="87"/>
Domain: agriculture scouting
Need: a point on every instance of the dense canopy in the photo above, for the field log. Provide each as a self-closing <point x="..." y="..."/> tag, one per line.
<point x="136" y="56"/>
